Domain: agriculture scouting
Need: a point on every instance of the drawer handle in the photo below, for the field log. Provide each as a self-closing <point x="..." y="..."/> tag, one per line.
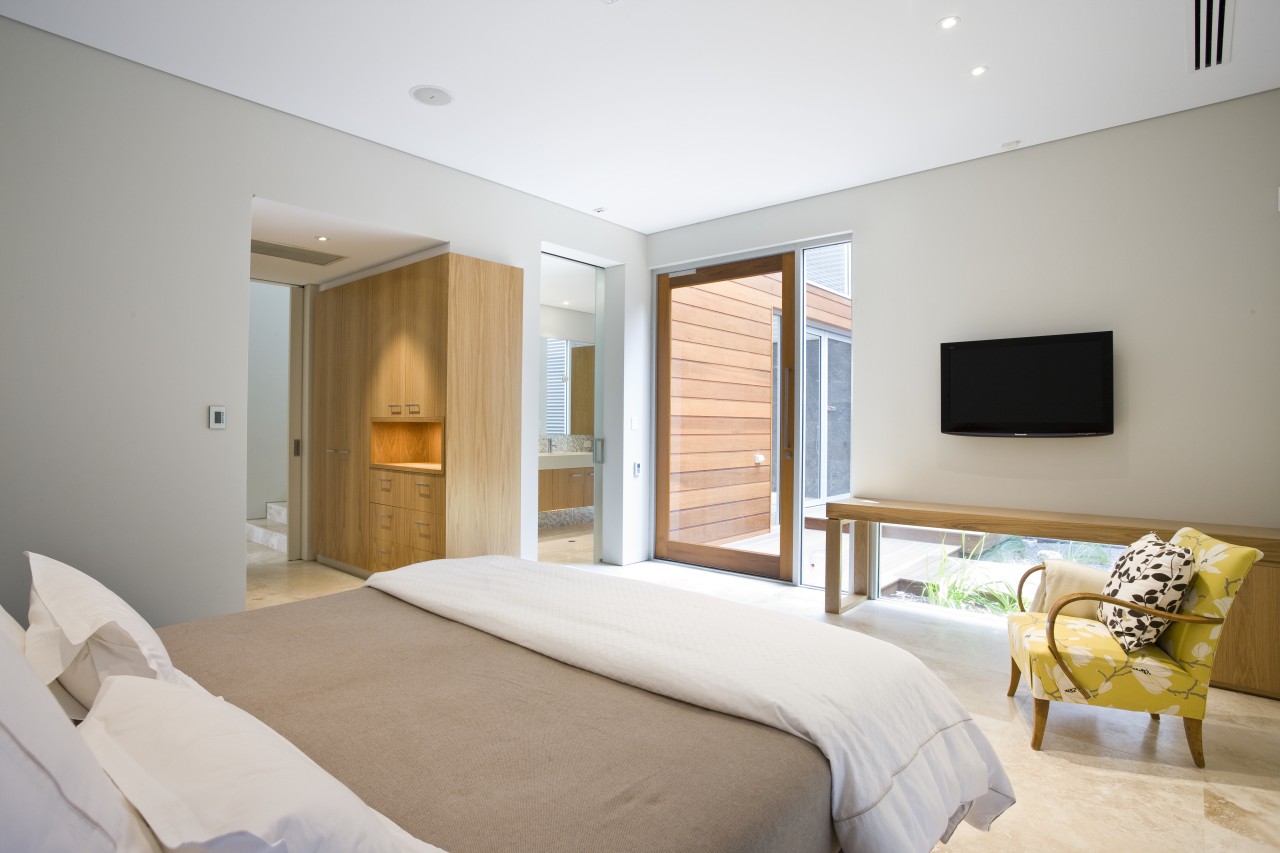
<point x="415" y="408"/>
<point x="384" y="516"/>
<point x="422" y="524"/>
<point x="342" y="451"/>
<point x="394" y="407"/>
<point x="384" y="479"/>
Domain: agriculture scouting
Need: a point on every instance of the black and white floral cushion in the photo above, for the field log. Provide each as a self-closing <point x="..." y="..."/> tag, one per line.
<point x="1151" y="572"/>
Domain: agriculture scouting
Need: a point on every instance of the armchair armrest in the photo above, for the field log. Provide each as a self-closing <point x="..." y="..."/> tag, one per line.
<point x="1128" y="605"/>
<point x="1022" y="580"/>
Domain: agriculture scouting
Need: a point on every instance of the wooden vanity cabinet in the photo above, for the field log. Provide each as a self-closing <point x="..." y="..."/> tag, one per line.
<point x="566" y="488"/>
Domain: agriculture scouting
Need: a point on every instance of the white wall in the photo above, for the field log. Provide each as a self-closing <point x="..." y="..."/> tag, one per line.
<point x="267" y="418"/>
<point x="124" y="231"/>
<point x="1165" y="231"/>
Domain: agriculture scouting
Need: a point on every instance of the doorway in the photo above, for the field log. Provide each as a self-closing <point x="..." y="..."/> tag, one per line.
<point x="570" y="412"/>
<point x="273" y="420"/>
<point x="724" y="490"/>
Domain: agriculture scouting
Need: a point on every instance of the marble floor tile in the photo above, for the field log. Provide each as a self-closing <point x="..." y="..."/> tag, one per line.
<point x="273" y="579"/>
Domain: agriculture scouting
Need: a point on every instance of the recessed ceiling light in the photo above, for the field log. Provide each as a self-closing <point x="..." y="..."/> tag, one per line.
<point x="978" y="70"/>
<point x="948" y="22"/>
<point x="322" y="239"/>
<point x="432" y="96"/>
<point x="566" y="302"/>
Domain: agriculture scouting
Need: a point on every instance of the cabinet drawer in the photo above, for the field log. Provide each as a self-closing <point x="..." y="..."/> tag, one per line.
<point x="417" y="530"/>
<point x="423" y="556"/>
<point x="382" y="486"/>
<point x="383" y="521"/>
<point x="420" y="492"/>
<point x="385" y="556"/>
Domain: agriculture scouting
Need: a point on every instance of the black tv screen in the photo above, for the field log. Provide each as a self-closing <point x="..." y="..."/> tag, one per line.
<point x="1051" y="385"/>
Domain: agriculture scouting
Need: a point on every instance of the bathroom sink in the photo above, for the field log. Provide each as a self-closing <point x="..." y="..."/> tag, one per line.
<point x="565" y="459"/>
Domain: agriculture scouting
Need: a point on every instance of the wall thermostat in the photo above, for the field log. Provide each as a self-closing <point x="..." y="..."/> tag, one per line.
<point x="217" y="417"/>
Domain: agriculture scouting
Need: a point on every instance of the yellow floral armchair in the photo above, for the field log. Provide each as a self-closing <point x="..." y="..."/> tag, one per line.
<point x="1073" y="659"/>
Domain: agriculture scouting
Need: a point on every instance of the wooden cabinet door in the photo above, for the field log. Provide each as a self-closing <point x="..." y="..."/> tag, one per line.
<point x="582" y="388"/>
<point x="340" y="431"/>
<point x="423" y="298"/>
<point x="382" y="295"/>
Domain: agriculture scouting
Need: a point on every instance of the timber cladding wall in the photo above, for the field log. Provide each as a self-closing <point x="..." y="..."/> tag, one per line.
<point x="721" y="408"/>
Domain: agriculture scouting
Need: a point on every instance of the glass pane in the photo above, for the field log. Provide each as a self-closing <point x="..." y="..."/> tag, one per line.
<point x="839" y="415"/>
<point x="723" y="357"/>
<point x="975" y="572"/>
<point x="828" y="314"/>
<point x="813" y="420"/>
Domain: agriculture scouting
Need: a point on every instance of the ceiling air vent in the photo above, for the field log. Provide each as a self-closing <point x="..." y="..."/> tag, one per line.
<point x="293" y="253"/>
<point x="1210" y="25"/>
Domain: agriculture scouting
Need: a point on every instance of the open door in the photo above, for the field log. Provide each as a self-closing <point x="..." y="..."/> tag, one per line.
<point x="726" y="399"/>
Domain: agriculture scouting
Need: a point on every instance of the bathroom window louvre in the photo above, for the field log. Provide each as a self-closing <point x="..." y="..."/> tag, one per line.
<point x="557" y="387"/>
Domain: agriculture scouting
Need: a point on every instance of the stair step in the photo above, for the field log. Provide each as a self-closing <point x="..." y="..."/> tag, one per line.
<point x="278" y="511"/>
<point x="272" y="534"/>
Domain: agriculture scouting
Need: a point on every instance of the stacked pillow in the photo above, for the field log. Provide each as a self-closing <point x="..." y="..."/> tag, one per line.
<point x="1150" y="572"/>
<point x="81" y="633"/>
<point x="158" y="763"/>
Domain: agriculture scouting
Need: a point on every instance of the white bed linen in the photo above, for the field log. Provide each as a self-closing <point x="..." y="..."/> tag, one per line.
<point x="907" y="761"/>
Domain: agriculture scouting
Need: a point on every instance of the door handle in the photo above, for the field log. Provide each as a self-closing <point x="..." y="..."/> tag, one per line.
<point x="599" y="452"/>
<point x="786" y="412"/>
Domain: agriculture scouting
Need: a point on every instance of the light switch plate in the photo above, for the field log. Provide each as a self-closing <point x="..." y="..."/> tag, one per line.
<point x="217" y="417"/>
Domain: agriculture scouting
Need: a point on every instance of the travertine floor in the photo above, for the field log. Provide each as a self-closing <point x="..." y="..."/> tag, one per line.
<point x="1103" y="780"/>
<point x="272" y="579"/>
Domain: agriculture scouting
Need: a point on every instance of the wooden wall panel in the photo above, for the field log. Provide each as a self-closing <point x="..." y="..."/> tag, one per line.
<point x="721" y="408"/>
<point x="825" y="307"/>
<point x="482" y="448"/>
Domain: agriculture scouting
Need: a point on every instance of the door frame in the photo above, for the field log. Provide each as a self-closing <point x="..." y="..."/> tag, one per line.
<point x="782" y="566"/>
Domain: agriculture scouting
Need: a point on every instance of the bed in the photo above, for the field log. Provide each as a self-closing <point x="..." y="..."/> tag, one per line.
<point x="480" y="704"/>
<point x="493" y="704"/>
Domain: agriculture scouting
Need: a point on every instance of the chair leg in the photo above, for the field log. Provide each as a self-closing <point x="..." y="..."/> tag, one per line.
<point x="1195" y="739"/>
<point x="1042" y="716"/>
<point x="1014" y="675"/>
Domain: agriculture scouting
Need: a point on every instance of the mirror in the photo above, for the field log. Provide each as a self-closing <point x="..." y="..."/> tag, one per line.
<point x="568" y="388"/>
<point x="567" y="376"/>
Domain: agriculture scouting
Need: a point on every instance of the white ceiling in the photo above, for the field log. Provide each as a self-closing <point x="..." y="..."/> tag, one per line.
<point x="360" y="246"/>
<point x="667" y="112"/>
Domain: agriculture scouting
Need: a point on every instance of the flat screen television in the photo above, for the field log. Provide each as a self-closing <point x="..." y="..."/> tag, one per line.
<point x="1046" y="386"/>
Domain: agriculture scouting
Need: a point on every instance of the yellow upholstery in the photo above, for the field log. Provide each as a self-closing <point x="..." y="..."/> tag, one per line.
<point x="1145" y="680"/>
<point x="1169" y="676"/>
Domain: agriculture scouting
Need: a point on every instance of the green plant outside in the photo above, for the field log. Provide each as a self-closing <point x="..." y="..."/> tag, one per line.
<point x="958" y="590"/>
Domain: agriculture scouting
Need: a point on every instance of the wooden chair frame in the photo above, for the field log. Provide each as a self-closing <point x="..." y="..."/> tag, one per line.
<point x="1193" y="727"/>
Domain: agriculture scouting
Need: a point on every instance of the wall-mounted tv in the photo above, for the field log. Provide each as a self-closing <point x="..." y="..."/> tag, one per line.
<point x="1047" y="386"/>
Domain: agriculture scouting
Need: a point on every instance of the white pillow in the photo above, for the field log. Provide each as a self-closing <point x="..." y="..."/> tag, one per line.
<point x="203" y="772"/>
<point x="53" y="794"/>
<point x="12" y="630"/>
<point x="1063" y="578"/>
<point x="81" y="632"/>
